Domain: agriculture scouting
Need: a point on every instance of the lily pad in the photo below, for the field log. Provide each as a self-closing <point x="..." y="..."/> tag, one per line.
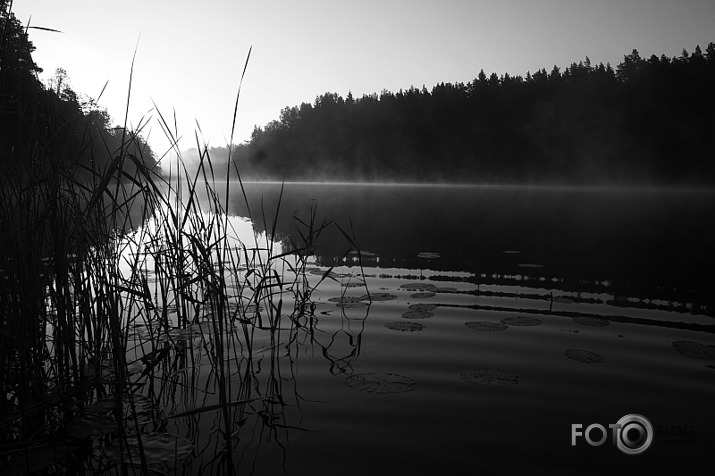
<point x="489" y="378"/>
<point x="424" y="295"/>
<point x="134" y="368"/>
<point x="563" y="300"/>
<point x="428" y="255"/>
<point x="418" y="286"/>
<point x="344" y="299"/>
<point x="591" y="321"/>
<point x="159" y="449"/>
<point x="377" y="297"/>
<point x="102" y="407"/>
<point x="423" y="307"/>
<point x="352" y="305"/>
<point x="192" y="331"/>
<point x="105" y="407"/>
<point x="253" y="308"/>
<point x="417" y="315"/>
<point x="486" y="326"/>
<point x="92" y="425"/>
<point x="319" y="272"/>
<point x="584" y="356"/>
<point x="104" y="368"/>
<point x="348" y="302"/>
<point x="403" y="326"/>
<point x="695" y="350"/>
<point x="530" y="265"/>
<point x="521" y="321"/>
<point x="380" y="382"/>
<point x="354" y="284"/>
<point x="184" y="334"/>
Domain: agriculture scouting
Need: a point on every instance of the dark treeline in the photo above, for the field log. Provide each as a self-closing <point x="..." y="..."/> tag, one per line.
<point x="49" y="128"/>
<point x="646" y="121"/>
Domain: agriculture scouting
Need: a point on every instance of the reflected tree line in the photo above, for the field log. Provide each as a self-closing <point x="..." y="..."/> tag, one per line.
<point x="649" y="120"/>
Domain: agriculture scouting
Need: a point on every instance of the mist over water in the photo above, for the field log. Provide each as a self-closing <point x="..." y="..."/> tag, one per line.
<point x="646" y="237"/>
<point x="504" y="266"/>
<point x="502" y="314"/>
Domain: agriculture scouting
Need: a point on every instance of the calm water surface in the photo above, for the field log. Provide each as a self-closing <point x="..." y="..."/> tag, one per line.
<point x="499" y="318"/>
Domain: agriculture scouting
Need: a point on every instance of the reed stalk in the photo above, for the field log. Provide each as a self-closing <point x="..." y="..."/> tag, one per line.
<point x="130" y="305"/>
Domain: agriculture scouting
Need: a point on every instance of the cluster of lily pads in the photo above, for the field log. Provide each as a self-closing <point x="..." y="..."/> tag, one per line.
<point x="384" y="383"/>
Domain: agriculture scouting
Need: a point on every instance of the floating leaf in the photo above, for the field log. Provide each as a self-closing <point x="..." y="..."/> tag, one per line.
<point x="423" y="307"/>
<point x="104" y="368"/>
<point x="91" y="424"/>
<point x="424" y="295"/>
<point x="253" y="309"/>
<point x="563" y="300"/>
<point x="418" y="286"/>
<point x="521" y="321"/>
<point x="329" y="274"/>
<point x="354" y="284"/>
<point x="511" y="252"/>
<point x="134" y="368"/>
<point x="102" y="407"/>
<point x="530" y="265"/>
<point x="184" y="334"/>
<point x="377" y="297"/>
<point x="348" y="301"/>
<point x="428" y="255"/>
<point x="344" y="299"/>
<point x="405" y="326"/>
<point x="695" y="350"/>
<point x="591" y="321"/>
<point x="196" y="330"/>
<point x="486" y="326"/>
<point x="142" y="408"/>
<point x="159" y="448"/>
<point x="417" y="315"/>
<point x="380" y="382"/>
<point x="584" y="356"/>
<point x="489" y="378"/>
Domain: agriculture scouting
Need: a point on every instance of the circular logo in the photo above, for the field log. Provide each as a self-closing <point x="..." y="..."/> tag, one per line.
<point x="634" y="434"/>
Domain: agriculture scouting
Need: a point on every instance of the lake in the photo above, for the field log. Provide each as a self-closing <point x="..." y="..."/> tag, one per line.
<point x="470" y="333"/>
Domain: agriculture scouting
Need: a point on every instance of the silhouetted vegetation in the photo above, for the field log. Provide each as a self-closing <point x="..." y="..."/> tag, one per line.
<point x="647" y="121"/>
<point x="117" y="288"/>
<point x="48" y="128"/>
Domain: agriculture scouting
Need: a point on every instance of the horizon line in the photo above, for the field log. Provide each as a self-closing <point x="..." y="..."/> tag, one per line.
<point x="495" y="186"/>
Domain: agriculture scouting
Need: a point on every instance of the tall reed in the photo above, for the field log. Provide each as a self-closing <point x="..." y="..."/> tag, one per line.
<point x="131" y="309"/>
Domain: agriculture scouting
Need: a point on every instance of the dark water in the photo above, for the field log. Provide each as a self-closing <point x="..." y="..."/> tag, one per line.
<point x="541" y="309"/>
<point x="647" y="244"/>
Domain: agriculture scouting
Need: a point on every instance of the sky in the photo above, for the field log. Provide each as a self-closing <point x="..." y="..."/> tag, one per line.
<point x="190" y="55"/>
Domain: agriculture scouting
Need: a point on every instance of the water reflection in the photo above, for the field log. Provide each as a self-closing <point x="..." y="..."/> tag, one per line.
<point x="506" y="269"/>
<point x="244" y="336"/>
<point x="651" y="245"/>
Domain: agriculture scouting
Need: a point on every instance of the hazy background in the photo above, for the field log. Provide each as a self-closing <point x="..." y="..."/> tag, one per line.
<point x="191" y="54"/>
